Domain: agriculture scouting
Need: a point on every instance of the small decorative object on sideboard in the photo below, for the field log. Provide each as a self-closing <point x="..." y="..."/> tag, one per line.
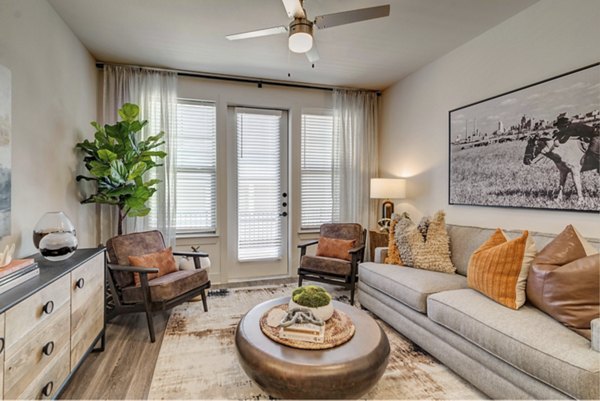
<point x="17" y="271"/>
<point x="313" y="298"/>
<point x="55" y="237"/>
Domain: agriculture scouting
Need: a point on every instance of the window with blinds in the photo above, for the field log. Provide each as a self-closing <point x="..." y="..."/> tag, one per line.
<point x="196" y="167"/>
<point x="316" y="170"/>
<point x="260" y="234"/>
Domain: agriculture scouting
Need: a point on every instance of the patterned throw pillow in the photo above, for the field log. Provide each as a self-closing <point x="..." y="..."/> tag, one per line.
<point x="335" y="248"/>
<point x="564" y="281"/>
<point x="163" y="260"/>
<point x="499" y="268"/>
<point x="429" y="244"/>
<point x="393" y="255"/>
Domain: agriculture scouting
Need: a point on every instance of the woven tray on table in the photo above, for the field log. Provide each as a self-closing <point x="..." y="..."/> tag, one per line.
<point x="338" y="329"/>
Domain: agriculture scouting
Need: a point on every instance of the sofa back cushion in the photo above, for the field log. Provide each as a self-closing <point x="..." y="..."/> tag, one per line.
<point x="464" y="240"/>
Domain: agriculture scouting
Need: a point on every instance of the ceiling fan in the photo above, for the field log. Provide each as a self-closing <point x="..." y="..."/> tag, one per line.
<point x="300" y="29"/>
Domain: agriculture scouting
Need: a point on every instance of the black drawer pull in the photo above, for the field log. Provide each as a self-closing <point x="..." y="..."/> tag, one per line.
<point x="48" y="307"/>
<point x="48" y="348"/>
<point x="80" y="283"/>
<point x="47" y="390"/>
<point x="1" y="344"/>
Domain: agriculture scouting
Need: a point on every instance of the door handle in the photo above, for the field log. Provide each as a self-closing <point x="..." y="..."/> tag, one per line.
<point x="283" y="214"/>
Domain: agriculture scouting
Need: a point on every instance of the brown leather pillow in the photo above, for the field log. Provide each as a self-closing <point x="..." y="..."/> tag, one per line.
<point x="335" y="248"/>
<point x="163" y="260"/>
<point x="564" y="281"/>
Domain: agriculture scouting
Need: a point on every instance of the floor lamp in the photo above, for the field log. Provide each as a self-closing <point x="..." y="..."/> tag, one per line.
<point x="387" y="189"/>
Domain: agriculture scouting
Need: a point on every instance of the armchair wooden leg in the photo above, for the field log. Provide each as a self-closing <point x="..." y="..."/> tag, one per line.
<point x="204" y="304"/>
<point x="352" y="296"/>
<point x="147" y="306"/>
<point x="299" y="281"/>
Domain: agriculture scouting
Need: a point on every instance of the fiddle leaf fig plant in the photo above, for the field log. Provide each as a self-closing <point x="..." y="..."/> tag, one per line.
<point x="117" y="160"/>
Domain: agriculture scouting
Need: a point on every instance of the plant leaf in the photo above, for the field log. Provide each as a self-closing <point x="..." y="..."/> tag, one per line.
<point x="129" y="112"/>
<point x="106" y="155"/>
<point x="136" y="170"/>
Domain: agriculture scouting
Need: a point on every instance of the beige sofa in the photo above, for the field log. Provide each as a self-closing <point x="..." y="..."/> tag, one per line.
<point x="505" y="353"/>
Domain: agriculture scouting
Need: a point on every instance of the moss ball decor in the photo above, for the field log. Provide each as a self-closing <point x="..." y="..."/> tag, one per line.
<point x="311" y="296"/>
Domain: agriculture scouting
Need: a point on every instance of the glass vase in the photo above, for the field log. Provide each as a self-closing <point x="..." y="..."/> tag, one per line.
<point x="55" y="237"/>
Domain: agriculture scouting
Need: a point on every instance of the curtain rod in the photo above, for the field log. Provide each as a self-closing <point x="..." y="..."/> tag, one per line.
<point x="239" y="78"/>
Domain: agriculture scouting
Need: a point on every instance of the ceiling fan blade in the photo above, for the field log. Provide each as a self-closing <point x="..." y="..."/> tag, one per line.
<point x="313" y="54"/>
<point x="294" y="9"/>
<point x="348" y="17"/>
<point x="276" y="30"/>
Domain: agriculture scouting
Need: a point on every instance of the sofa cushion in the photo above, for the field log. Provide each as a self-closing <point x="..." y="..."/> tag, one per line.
<point x="408" y="285"/>
<point x="168" y="286"/>
<point x="326" y="265"/>
<point x="526" y="338"/>
<point x="464" y="240"/>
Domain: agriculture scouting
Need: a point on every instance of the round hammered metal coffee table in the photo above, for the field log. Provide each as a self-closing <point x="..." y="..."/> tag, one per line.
<point x="346" y="371"/>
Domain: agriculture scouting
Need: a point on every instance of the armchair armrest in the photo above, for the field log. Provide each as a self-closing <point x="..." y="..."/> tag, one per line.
<point x="308" y="243"/>
<point x="595" y="325"/>
<point x="356" y="249"/>
<point x="191" y="254"/>
<point x="132" y="269"/>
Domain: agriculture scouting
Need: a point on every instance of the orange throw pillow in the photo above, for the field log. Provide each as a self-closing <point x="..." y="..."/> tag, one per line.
<point x="499" y="268"/>
<point x="163" y="260"/>
<point x="335" y="248"/>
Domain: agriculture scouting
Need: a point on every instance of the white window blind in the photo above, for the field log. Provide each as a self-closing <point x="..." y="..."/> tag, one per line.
<point x="316" y="170"/>
<point x="259" y="184"/>
<point x="196" y="167"/>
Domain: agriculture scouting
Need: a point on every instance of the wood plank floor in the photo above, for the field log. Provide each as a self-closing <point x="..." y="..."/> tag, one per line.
<point x="124" y="370"/>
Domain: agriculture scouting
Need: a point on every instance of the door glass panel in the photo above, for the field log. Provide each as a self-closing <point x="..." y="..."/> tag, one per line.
<point x="259" y="189"/>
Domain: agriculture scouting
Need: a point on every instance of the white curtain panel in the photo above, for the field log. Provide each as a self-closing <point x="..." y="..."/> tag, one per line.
<point x="355" y="115"/>
<point x="155" y="92"/>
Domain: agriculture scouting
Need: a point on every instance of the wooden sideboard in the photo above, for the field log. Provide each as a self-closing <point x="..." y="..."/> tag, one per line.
<point x="50" y="323"/>
<point x="376" y="239"/>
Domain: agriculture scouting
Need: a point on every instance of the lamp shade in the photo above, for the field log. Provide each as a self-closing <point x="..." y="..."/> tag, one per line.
<point x="388" y="188"/>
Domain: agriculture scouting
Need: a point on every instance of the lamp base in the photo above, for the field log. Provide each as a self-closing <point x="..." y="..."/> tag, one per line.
<point x="387" y="209"/>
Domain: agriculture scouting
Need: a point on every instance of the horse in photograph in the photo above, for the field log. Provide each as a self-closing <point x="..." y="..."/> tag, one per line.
<point x="571" y="156"/>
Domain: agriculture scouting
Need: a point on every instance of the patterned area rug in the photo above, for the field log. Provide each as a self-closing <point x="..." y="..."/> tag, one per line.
<point x="198" y="360"/>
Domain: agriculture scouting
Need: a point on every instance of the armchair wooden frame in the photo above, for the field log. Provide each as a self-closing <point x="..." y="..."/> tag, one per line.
<point x="347" y="281"/>
<point x="148" y="306"/>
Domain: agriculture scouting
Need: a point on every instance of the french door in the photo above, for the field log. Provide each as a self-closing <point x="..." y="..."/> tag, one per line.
<point x="258" y="194"/>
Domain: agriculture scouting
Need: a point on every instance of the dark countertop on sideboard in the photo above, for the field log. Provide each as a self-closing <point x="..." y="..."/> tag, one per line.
<point x="49" y="273"/>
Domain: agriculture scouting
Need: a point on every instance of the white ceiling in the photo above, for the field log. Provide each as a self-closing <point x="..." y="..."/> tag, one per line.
<point x="190" y="35"/>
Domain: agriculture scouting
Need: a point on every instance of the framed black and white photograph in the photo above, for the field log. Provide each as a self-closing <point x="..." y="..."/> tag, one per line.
<point x="534" y="147"/>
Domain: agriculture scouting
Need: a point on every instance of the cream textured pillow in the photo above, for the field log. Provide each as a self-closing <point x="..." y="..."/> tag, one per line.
<point x="432" y="251"/>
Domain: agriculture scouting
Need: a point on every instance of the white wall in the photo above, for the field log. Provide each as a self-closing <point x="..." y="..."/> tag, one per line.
<point x="53" y="100"/>
<point x="549" y="38"/>
<point x="240" y="94"/>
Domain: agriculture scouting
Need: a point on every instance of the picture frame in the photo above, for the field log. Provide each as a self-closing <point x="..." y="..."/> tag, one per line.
<point x="535" y="147"/>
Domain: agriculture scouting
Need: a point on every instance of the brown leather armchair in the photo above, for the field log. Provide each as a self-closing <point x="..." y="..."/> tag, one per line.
<point x="334" y="271"/>
<point x="161" y="293"/>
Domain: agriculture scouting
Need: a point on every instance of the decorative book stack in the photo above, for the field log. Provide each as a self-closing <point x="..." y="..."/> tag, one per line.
<point x="16" y="272"/>
<point x="304" y="332"/>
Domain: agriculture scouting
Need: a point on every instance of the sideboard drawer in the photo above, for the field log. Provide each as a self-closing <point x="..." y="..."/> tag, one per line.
<point x="23" y="319"/>
<point x="87" y="306"/>
<point x="49" y="381"/>
<point x="26" y="360"/>
<point x="2" y="347"/>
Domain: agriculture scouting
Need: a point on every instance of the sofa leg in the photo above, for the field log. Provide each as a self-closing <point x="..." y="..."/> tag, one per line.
<point x="204" y="304"/>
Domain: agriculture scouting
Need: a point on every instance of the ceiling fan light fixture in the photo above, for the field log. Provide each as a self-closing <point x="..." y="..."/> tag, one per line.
<point x="300" y="42"/>
<point x="300" y="39"/>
